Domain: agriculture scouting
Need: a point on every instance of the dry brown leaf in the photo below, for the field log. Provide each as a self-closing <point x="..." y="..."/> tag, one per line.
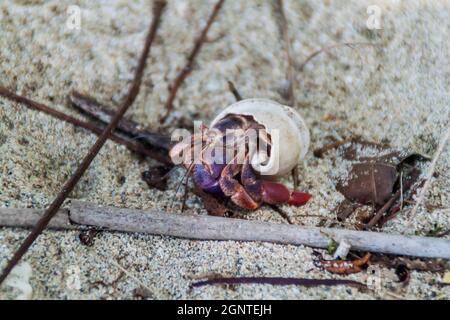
<point x="369" y="183"/>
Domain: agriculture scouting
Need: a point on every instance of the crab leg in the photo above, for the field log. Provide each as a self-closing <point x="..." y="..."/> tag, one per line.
<point x="206" y="180"/>
<point x="250" y="182"/>
<point x="233" y="189"/>
<point x="253" y="192"/>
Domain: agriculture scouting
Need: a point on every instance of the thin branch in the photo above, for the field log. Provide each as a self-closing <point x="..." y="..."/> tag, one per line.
<point x="320" y="152"/>
<point x="383" y="209"/>
<point x="218" y="228"/>
<point x="70" y="184"/>
<point x="173" y="88"/>
<point x="234" y="91"/>
<point x="380" y="218"/>
<point x="134" y="146"/>
<point x="290" y="74"/>
<point x="301" y="67"/>
<point x="100" y="112"/>
<point x="429" y="177"/>
<point x="91" y="107"/>
<point x="281" y="212"/>
<point x="280" y="281"/>
<point x="394" y="211"/>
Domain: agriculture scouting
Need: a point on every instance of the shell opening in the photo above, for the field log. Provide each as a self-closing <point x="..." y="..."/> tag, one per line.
<point x="286" y="128"/>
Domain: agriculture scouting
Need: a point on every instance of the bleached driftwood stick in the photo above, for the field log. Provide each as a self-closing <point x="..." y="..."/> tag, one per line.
<point x="27" y="218"/>
<point x="216" y="228"/>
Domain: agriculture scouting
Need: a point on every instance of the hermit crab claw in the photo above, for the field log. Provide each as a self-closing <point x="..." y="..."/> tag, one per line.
<point x="277" y="193"/>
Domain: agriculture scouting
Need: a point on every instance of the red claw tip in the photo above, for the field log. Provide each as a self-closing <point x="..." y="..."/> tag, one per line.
<point x="277" y="193"/>
<point x="299" y="198"/>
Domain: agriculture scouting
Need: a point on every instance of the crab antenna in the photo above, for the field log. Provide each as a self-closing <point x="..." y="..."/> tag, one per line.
<point x="188" y="171"/>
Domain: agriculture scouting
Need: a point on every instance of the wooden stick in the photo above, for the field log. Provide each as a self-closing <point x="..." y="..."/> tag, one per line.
<point x="203" y="227"/>
<point x="218" y="228"/>
<point x="27" y="218"/>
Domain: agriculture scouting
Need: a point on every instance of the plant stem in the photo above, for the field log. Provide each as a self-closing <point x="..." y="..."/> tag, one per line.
<point x="173" y="89"/>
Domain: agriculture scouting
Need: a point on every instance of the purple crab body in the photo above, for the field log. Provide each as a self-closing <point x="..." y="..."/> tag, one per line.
<point x="206" y="181"/>
<point x="207" y="175"/>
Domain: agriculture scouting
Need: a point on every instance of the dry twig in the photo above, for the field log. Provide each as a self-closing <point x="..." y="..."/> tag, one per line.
<point x="280" y="281"/>
<point x="290" y="74"/>
<point x="320" y="152"/>
<point x="427" y="184"/>
<point x="301" y="67"/>
<point x="383" y="209"/>
<point x="173" y="88"/>
<point x="234" y="91"/>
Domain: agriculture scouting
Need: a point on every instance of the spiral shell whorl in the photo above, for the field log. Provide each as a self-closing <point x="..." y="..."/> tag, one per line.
<point x="284" y="124"/>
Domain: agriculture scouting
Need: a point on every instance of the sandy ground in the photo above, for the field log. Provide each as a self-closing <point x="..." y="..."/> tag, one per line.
<point x="396" y="92"/>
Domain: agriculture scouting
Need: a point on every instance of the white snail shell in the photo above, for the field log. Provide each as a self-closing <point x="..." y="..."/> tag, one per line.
<point x="288" y="130"/>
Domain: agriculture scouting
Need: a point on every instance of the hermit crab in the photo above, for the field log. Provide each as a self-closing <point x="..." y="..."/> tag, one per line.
<point x="247" y="147"/>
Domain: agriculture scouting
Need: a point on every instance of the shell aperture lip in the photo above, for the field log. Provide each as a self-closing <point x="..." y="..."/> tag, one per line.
<point x="287" y="129"/>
